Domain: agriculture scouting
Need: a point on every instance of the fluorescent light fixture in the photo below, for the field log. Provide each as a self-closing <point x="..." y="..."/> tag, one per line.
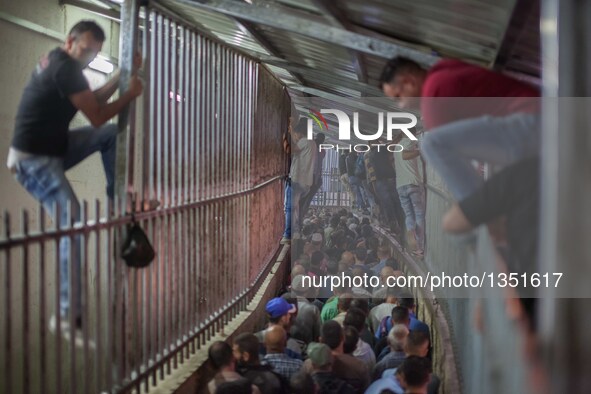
<point x="101" y="64"/>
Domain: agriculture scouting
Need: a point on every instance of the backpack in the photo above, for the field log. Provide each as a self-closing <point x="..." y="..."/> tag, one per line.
<point x="385" y="327"/>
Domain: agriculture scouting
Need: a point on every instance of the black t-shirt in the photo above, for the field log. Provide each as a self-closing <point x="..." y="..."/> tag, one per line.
<point x="342" y="164"/>
<point x="513" y="192"/>
<point x="383" y="165"/>
<point x="45" y="111"/>
<point x="264" y="378"/>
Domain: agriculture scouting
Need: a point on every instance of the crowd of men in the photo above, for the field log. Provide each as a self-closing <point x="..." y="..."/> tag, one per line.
<point x="369" y="340"/>
<point x="381" y="185"/>
<point x="347" y="339"/>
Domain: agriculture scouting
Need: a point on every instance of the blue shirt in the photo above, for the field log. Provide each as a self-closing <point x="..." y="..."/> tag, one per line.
<point x="415" y="324"/>
<point x="386" y="383"/>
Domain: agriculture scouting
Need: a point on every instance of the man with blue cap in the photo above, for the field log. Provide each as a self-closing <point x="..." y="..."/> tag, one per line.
<point x="281" y="313"/>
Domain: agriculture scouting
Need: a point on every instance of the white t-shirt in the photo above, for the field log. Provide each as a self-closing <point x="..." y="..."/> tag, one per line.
<point x="303" y="163"/>
<point x="408" y="172"/>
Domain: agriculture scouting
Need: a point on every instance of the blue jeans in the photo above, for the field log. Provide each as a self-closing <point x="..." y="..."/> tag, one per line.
<point x="412" y="199"/>
<point x="306" y="200"/>
<point x="501" y="141"/>
<point x="287" y="210"/>
<point x="45" y="178"/>
<point x="297" y="191"/>
<point x="356" y="188"/>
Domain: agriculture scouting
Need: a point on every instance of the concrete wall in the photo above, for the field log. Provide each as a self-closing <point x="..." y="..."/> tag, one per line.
<point x="21" y="49"/>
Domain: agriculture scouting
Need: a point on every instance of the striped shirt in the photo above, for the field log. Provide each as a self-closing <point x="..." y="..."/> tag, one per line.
<point x="283" y="364"/>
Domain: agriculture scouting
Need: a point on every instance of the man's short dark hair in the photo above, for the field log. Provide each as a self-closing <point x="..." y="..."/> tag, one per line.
<point x="351" y="339"/>
<point x="344" y="302"/>
<point x="400" y="315"/>
<point x="334" y="221"/>
<point x="302" y="383"/>
<point x="220" y="354"/>
<point x="416" y="339"/>
<point x="406" y="300"/>
<point x="416" y="370"/>
<point x="319" y="138"/>
<point x="392" y="263"/>
<point x="87" y="25"/>
<point x="332" y="334"/>
<point x="360" y="254"/>
<point x="316" y="258"/>
<point x="239" y="386"/>
<point x="302" y="127"/>
<point x="361" y="303"/>
<point x="355" y="317"/>
<point x="396" y="66"/>
<point x="332" y="267"/>
<point x="248" y="343"/>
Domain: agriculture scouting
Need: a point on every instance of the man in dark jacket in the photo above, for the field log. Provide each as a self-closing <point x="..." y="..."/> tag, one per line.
<point x="246" y="353"/>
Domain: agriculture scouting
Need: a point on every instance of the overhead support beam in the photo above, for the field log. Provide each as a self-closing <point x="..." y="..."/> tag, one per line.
<point x="263" y="41"/>
<point x="522" y="11"/>
<point x="279" y="19"/>
<point x="339" y="19"/>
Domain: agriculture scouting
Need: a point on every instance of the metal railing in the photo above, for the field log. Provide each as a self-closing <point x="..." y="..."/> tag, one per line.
<point x="208" y="149"/>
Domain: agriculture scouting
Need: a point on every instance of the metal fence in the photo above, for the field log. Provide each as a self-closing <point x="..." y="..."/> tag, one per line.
<point x="491" y="360"/>
<point x="206" y="144"/>
<point x="332" y="193"/>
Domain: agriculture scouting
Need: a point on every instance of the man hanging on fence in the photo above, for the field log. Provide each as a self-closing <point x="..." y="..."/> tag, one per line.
<point x="43" y="147"/>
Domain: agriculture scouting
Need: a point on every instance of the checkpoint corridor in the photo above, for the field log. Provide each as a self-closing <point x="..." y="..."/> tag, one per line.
<point x="278" y="196"/>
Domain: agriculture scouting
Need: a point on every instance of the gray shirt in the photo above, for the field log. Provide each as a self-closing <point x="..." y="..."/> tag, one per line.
<point x="303" y="163"/>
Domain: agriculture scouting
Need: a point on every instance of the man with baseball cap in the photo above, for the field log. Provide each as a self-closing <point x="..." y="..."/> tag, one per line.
<point x="281" y="313"/>
<point x="322" y="359"/>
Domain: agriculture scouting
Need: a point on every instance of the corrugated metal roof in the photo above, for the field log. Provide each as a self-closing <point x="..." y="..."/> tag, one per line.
<point x="474" y="30"/>
<point x="466" y="29"/>
<point x="221" y="26"/>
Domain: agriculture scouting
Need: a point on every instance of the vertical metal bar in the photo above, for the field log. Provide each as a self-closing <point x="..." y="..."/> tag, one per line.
<point x="147" y="170"/>
<point x="173" y="289"/>
<point x="58" y="365"/>
<point x="162" y="260"/>
<point x="97" y="294"/>
<point x="182" y="113"/>
<point x="110" y="296"/>
<point x="215" y="130"/>
<point x="42" y="301"/>
<point x="25" y="314"/>
<point x="167" y="98"/>
<point x="161" y="97"/>
<point x="224" y="114"/>
<point x="174" y="183"/>
<point x="127" y="49"/>
<point x="155" y="320"/>
<point x="7" y="308"/>
<point x="166" y="288"/>
<point x="193" y="128"/>
<point x="73" y="296"/>
<point x="84" y="295"/>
